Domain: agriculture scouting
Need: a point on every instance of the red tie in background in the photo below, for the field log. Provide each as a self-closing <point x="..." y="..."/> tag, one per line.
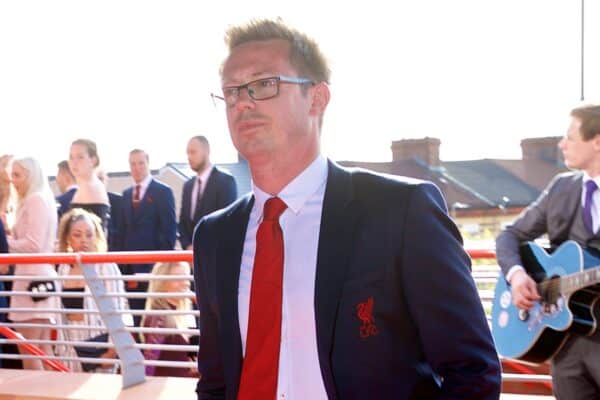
<point x="136" y="196"/>
<point x="261" y="362"/>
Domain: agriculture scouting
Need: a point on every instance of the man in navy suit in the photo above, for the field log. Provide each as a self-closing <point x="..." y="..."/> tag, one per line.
<point x="66" y="185"/>
<point x="373" y="290"/>
<point x="211" y="189"/>
<point x="147" y="221"/>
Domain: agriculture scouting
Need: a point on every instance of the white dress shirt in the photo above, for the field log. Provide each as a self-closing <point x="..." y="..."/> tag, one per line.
<point x="595" y="200"/>
<point x="143" y="186"/>
<point x="299" y="370"/>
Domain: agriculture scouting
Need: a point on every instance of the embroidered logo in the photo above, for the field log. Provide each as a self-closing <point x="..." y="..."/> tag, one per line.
<point x="364" y="311"/>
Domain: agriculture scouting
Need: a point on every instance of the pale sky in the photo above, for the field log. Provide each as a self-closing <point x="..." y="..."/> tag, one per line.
<point x="480" y="75"/>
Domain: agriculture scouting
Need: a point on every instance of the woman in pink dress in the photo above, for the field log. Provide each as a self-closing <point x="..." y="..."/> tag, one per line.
<point x="34" y="231"/>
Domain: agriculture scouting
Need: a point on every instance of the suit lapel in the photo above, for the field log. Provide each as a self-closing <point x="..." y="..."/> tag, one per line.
<point x="147" y="198"/>
<point x="572" y="204"/>
<point x="128" y="203"/>
<point x="186" y="200"/>
<point x="209" y="195"/>
<point x="335" y="238"/>
<point x="228" y="260"/>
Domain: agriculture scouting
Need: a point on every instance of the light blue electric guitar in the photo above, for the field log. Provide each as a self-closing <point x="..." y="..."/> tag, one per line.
<point x="568" y="292"/>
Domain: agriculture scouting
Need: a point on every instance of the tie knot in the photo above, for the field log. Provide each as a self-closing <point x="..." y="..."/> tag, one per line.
<point x="590" y="186"/>
<point x="274" y="207"/>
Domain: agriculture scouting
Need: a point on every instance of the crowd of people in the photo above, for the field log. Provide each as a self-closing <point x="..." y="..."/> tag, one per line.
<point x="85" y="217"/>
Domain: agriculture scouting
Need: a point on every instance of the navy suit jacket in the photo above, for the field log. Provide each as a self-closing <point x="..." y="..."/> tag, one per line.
<point x="220" y="191"/>
<point x="64" y="200"/>
<point x="152" y="226"/>
<point x="381" y="237"/>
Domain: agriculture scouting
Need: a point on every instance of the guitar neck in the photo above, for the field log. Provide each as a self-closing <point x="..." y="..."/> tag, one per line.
<point x="579" y="280"/>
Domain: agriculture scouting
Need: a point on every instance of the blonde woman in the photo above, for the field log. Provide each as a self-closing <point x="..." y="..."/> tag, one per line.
<point x="6" y="191"/>
<point x="81" y="231"/>
<point x="34" y="231"/>
<point x="178" y="285"/>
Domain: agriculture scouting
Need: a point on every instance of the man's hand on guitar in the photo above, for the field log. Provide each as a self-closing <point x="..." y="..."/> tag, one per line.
<point x="524" y="290"/>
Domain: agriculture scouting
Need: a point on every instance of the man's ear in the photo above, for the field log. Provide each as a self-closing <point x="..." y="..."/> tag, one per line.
<point x="320" y="98"/>
<point x="596" y="142"/>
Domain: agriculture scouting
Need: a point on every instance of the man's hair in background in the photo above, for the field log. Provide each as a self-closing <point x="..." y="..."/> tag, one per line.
<point x="589" y="115"/>
<point x="64" y="167"/>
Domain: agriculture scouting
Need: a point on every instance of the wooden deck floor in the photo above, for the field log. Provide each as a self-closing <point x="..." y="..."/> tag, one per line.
<point x="47" y="385"/>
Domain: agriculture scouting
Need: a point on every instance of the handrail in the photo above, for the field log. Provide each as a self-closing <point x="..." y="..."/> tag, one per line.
<point x="31" y="349"/>
<point x="121" y="257"/>
<point x="139" y="257"/>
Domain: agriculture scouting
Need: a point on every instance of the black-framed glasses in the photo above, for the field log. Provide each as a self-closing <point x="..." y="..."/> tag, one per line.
<point x="260" y="89"/>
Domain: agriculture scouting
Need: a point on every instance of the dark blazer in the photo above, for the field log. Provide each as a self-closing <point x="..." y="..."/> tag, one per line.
<point x="381" y="237"/>
<point x="152" y="226"/>
<point x="3" y="242"/>
<point x="554" y="212"/>
<point x="116" y="212"/>
<point x="64" y="200"/>
<point x="220" y="191"/>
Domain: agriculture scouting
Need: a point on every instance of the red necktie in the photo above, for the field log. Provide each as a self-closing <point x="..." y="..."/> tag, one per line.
<point x="263" y="340"/>
<point x="136" y="196"/>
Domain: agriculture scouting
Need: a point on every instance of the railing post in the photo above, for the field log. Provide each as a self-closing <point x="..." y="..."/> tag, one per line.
<point x="132" y="360"/>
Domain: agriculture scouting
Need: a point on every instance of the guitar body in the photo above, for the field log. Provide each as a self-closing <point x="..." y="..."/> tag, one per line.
<point x="536" y="335"/>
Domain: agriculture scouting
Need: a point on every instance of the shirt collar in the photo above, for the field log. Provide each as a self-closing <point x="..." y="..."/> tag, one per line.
<point x="296" y="193"/>
<point x="144" y="183"/>
<point x="587" y="177"/>
<point x="205" y="174"/>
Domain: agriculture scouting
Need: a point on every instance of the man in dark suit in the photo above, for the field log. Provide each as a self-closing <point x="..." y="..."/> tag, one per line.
<point x="559" y="213"/>
<point x="66" y="185"/>
<point x="211" y="189"/>
<point x="349" y="285"/>
<point x="147" y="221"/>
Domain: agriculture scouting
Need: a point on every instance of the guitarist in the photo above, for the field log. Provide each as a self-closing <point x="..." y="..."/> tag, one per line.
<point x="568" y="209"/>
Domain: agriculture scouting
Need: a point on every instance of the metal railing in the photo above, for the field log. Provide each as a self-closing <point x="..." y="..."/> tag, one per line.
<point x="485" y="278"/>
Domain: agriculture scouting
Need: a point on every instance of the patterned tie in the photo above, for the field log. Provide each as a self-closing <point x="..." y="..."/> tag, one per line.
<point x="590" y="188"/>
<point x="263" y="340"/>
<point x="136" y="196"/>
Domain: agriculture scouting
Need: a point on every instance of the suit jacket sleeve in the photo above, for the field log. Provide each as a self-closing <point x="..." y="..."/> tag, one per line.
<point x="211" y="385"/>
<point x="443" y="301"/>
<point x="227" y="191"/>
<point x="185" y="228"/>
<point x="531" y="224"/>
<point x="167" y="224"/>
<point x="3" y="242"/>
<point x="118" y="242"/>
